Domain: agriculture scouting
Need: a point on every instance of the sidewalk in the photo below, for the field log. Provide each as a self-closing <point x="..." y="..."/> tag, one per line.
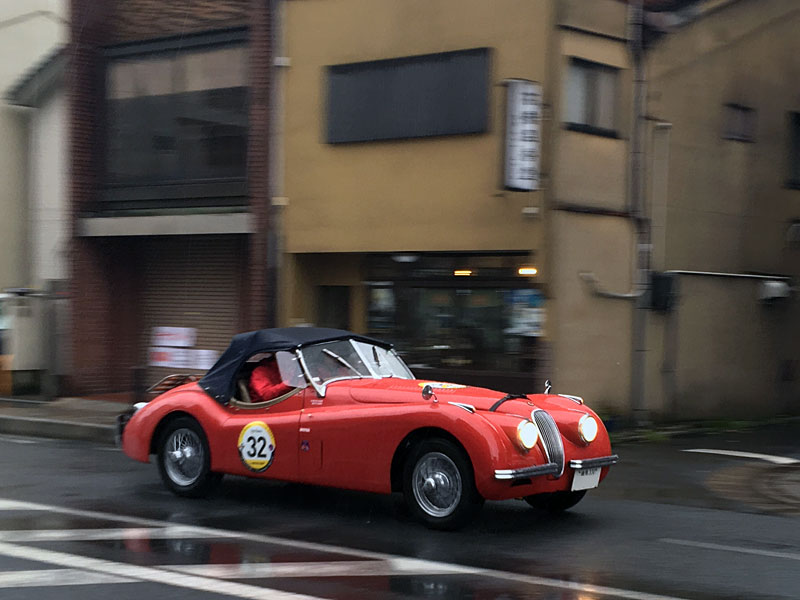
<point x="65" y="418"/>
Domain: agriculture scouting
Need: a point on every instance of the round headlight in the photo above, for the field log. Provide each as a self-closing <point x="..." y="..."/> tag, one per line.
<point x="527" y="434"/>
<point x="587" y="427"/>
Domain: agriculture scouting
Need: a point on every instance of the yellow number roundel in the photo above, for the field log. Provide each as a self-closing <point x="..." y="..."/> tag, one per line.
<point x="256" y="446"/>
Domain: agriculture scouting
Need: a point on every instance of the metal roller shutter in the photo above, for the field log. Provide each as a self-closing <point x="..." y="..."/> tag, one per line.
<point x="192" y="282"/>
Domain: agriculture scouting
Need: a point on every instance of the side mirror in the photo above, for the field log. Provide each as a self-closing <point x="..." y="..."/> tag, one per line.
<point x="427" y="393"/>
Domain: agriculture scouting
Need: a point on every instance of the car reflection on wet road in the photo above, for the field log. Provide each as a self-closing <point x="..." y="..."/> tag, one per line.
<point x="78" y="521"/>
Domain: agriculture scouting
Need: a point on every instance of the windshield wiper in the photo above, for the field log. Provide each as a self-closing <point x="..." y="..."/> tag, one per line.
<point x="340" y="360"/>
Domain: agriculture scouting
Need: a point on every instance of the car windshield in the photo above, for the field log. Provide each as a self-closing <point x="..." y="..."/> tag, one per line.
<point x="350" y="359"/>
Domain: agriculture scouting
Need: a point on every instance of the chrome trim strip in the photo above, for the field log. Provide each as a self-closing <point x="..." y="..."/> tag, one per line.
<point x="590" y="463"/>
<point x="550" y="438"/>
<point x="546" y="469"/>
<point x="467" y="407"/>
<point x="576" y="399"/>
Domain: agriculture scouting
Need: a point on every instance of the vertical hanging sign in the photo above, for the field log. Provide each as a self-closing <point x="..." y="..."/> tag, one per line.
<point x="523" y="135"/>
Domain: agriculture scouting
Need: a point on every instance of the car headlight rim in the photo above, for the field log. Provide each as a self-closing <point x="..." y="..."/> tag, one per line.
<point x="527" y="434"/>
<point x="588" y="428"/>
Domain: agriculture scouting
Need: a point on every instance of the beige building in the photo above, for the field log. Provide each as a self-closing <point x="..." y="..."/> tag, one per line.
<point x="726" y="208"/>
<point x="395" y="218"/>
<point x="397" y="221"/>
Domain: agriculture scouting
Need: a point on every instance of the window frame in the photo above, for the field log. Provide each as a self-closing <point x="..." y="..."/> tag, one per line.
<point x="590" y="102"/>
<point x="226" y="191"/>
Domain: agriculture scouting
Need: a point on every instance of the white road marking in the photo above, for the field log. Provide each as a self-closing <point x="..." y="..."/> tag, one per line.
<point x="56" y="577"/>
<point x="18" y="440"/>
<point x="268" y="539"/>
<point x="355" y="568"/>
<point x="175" y="532"/>
<point x="778" y="460"/>
<point x="739" y="549"/>
<point x="149" y="574"/>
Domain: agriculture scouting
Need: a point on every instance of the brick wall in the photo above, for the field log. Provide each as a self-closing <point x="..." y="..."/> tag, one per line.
<point x="261" y="301"/>
<point x="90" y="306"/>
<point x="105" y="282"/>
<point x="134" y="20"/>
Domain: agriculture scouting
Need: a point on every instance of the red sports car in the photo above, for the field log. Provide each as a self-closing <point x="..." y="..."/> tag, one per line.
<point x="332" y="408"/>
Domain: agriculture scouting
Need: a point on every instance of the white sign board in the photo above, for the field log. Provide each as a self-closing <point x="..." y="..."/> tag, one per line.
<point x="523" y="135"/>
<point x="175" y="337"/>
<point x="181" y="358"/>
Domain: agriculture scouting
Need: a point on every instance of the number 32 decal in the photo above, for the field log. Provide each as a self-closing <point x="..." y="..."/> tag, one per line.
<point x="256" y="446"/>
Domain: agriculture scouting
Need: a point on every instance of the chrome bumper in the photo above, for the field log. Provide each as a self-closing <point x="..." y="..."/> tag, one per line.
<point x="554" y="469"/>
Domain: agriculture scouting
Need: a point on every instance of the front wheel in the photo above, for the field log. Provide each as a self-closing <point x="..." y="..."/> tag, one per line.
<point x="555" y="502"/>
<point x="439" y="486"/>
<point x="184" y="461"/>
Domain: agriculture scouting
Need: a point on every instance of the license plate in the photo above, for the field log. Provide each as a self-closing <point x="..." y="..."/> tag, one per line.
<point x="586" y="479"/>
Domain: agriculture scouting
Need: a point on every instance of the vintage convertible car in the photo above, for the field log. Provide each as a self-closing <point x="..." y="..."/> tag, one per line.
<point x="350" y="414"/>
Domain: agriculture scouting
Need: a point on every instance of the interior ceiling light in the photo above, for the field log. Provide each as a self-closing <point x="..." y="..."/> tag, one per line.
<point x="462" y="272"/>
<point x="528" y="271"/>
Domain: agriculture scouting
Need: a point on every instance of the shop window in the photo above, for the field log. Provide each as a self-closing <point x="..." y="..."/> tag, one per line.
<point x="491" y="320"/>
<point x="591" y="98"/>
<point x="740" y="123"/>
<point x="416" y="96"/>
<point x="177" y="117"/>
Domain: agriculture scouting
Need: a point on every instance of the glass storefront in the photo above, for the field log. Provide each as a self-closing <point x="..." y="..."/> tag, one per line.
<point x="458" y="312"/>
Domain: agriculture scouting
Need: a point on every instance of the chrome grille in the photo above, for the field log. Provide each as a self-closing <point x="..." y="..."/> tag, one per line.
<point x="551" y="438"/>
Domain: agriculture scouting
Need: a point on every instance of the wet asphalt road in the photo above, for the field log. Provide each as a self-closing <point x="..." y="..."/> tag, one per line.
<point x="83" y="521"/>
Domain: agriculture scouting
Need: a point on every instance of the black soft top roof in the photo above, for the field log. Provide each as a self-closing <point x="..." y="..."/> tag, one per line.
<point x="219" y="381"/>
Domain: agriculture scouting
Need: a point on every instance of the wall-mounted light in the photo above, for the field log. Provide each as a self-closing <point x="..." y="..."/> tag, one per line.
<point x="462" y="272"/>
<point x="527" y="271"/>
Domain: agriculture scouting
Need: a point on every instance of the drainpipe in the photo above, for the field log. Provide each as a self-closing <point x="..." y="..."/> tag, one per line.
<point x="638" y="214"/>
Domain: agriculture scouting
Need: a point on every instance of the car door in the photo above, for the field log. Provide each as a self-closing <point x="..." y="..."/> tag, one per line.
<point x="262" y="441"/>
<point x="341" y="441"/>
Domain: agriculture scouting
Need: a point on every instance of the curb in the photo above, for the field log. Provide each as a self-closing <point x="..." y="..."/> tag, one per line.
<point x="55" y="429"/>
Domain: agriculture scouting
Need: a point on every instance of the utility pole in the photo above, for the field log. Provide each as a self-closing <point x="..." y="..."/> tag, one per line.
<point x="638" y="212"/>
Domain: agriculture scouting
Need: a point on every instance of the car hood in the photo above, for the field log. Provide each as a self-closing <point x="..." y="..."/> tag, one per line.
<point x="404" y="391"/>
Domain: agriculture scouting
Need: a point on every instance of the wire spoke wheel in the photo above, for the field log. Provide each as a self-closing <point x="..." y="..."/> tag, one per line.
<point x="184" y="456"/>
<point x="437" y="484"/>
<point x="184" y="459"/>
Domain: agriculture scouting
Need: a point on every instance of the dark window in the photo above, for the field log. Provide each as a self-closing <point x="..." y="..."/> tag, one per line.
<point x="177" y="117"/>
<point x="333" y="309"/>
<point x="591" y="98"/>
<point x="740" y="123"/>
<point x="434" y="94"/>
<point x="794" y="150"/>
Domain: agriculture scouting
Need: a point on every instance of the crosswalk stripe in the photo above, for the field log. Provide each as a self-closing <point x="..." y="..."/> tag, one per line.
<point x="360" y="568"/>
<point x="149" y="574"/>
<point x="56" y="578"/>
<point x="270" y="594"/>
<point x="91" y="535"/>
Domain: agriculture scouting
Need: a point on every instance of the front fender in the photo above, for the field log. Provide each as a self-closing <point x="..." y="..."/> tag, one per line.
<point x="137" y="438"/>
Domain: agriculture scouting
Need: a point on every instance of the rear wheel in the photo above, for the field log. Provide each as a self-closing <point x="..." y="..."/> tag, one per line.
<point x="184" y="461"/>
<point x="555" y="502"/>
<point x="439" y="486"/>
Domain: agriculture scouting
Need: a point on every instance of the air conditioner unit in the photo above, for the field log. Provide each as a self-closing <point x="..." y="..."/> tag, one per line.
<point x="773" y="289"/>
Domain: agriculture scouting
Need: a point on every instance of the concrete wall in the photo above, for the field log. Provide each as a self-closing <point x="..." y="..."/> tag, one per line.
<point x="47" y="194"/>
<point x="29" y="30"/>
<point x="726" y="346"/>
<point x="591" y="335"/>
